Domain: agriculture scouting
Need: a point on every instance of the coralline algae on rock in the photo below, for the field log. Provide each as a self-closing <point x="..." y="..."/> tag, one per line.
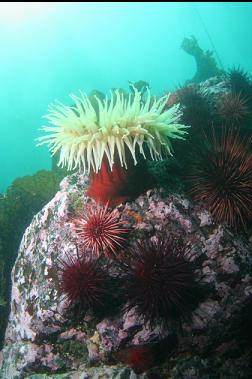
<point x="40" y="338"/>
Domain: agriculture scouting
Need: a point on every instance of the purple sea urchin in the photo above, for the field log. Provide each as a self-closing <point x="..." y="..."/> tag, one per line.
<point x="159" y="280"/>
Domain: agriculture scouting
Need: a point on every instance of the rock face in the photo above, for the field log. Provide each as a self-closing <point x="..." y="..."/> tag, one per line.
<point x="213" y="343"/>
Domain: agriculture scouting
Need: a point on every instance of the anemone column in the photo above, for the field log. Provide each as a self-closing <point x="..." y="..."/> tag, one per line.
<point x="120" y="184"/>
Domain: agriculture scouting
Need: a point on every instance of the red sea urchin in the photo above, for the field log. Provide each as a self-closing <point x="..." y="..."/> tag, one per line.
<point x="221" y="177"/>
<point x="84" y="282"/>
<point x="100" y="230"/>
<point x="239" y="81"/>
<point x="196" y="105"/>
<point x="233" y="107"/>
<point x="159" y="280"/>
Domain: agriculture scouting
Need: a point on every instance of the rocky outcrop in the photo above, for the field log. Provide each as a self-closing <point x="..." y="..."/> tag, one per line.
<point x="43" y="339"/>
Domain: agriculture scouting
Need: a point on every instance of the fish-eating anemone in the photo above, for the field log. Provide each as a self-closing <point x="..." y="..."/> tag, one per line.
<point x="112" y="137"/>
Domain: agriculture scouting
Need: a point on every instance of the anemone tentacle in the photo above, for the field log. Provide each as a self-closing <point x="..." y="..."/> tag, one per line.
<point x="84" y="136"/>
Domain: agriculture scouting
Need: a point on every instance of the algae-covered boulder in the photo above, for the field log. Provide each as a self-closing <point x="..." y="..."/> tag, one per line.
<point x="22" y="200"/>
<point x="45" y="337"/>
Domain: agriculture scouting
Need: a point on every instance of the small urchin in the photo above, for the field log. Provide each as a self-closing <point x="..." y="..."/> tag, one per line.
<point x="98" y="229"/>
<point x="159" y="280"/>
<point x="123" y="123"/>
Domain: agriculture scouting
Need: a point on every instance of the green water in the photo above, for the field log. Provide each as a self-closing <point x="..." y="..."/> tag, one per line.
<point x="51" y="50"/>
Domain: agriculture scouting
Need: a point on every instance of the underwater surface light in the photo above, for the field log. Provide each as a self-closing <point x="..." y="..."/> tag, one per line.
<point x="14" y="12"/>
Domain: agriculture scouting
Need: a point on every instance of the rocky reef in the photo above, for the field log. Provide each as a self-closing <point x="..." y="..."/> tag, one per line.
<point x="206" y="65"/>
<point x="22" y="200"/>
<point x="149" y="307"/>
<point x="46" y="339"/>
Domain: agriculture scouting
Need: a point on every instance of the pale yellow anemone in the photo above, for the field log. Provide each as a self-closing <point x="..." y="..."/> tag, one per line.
<point x="84" y="135"/>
